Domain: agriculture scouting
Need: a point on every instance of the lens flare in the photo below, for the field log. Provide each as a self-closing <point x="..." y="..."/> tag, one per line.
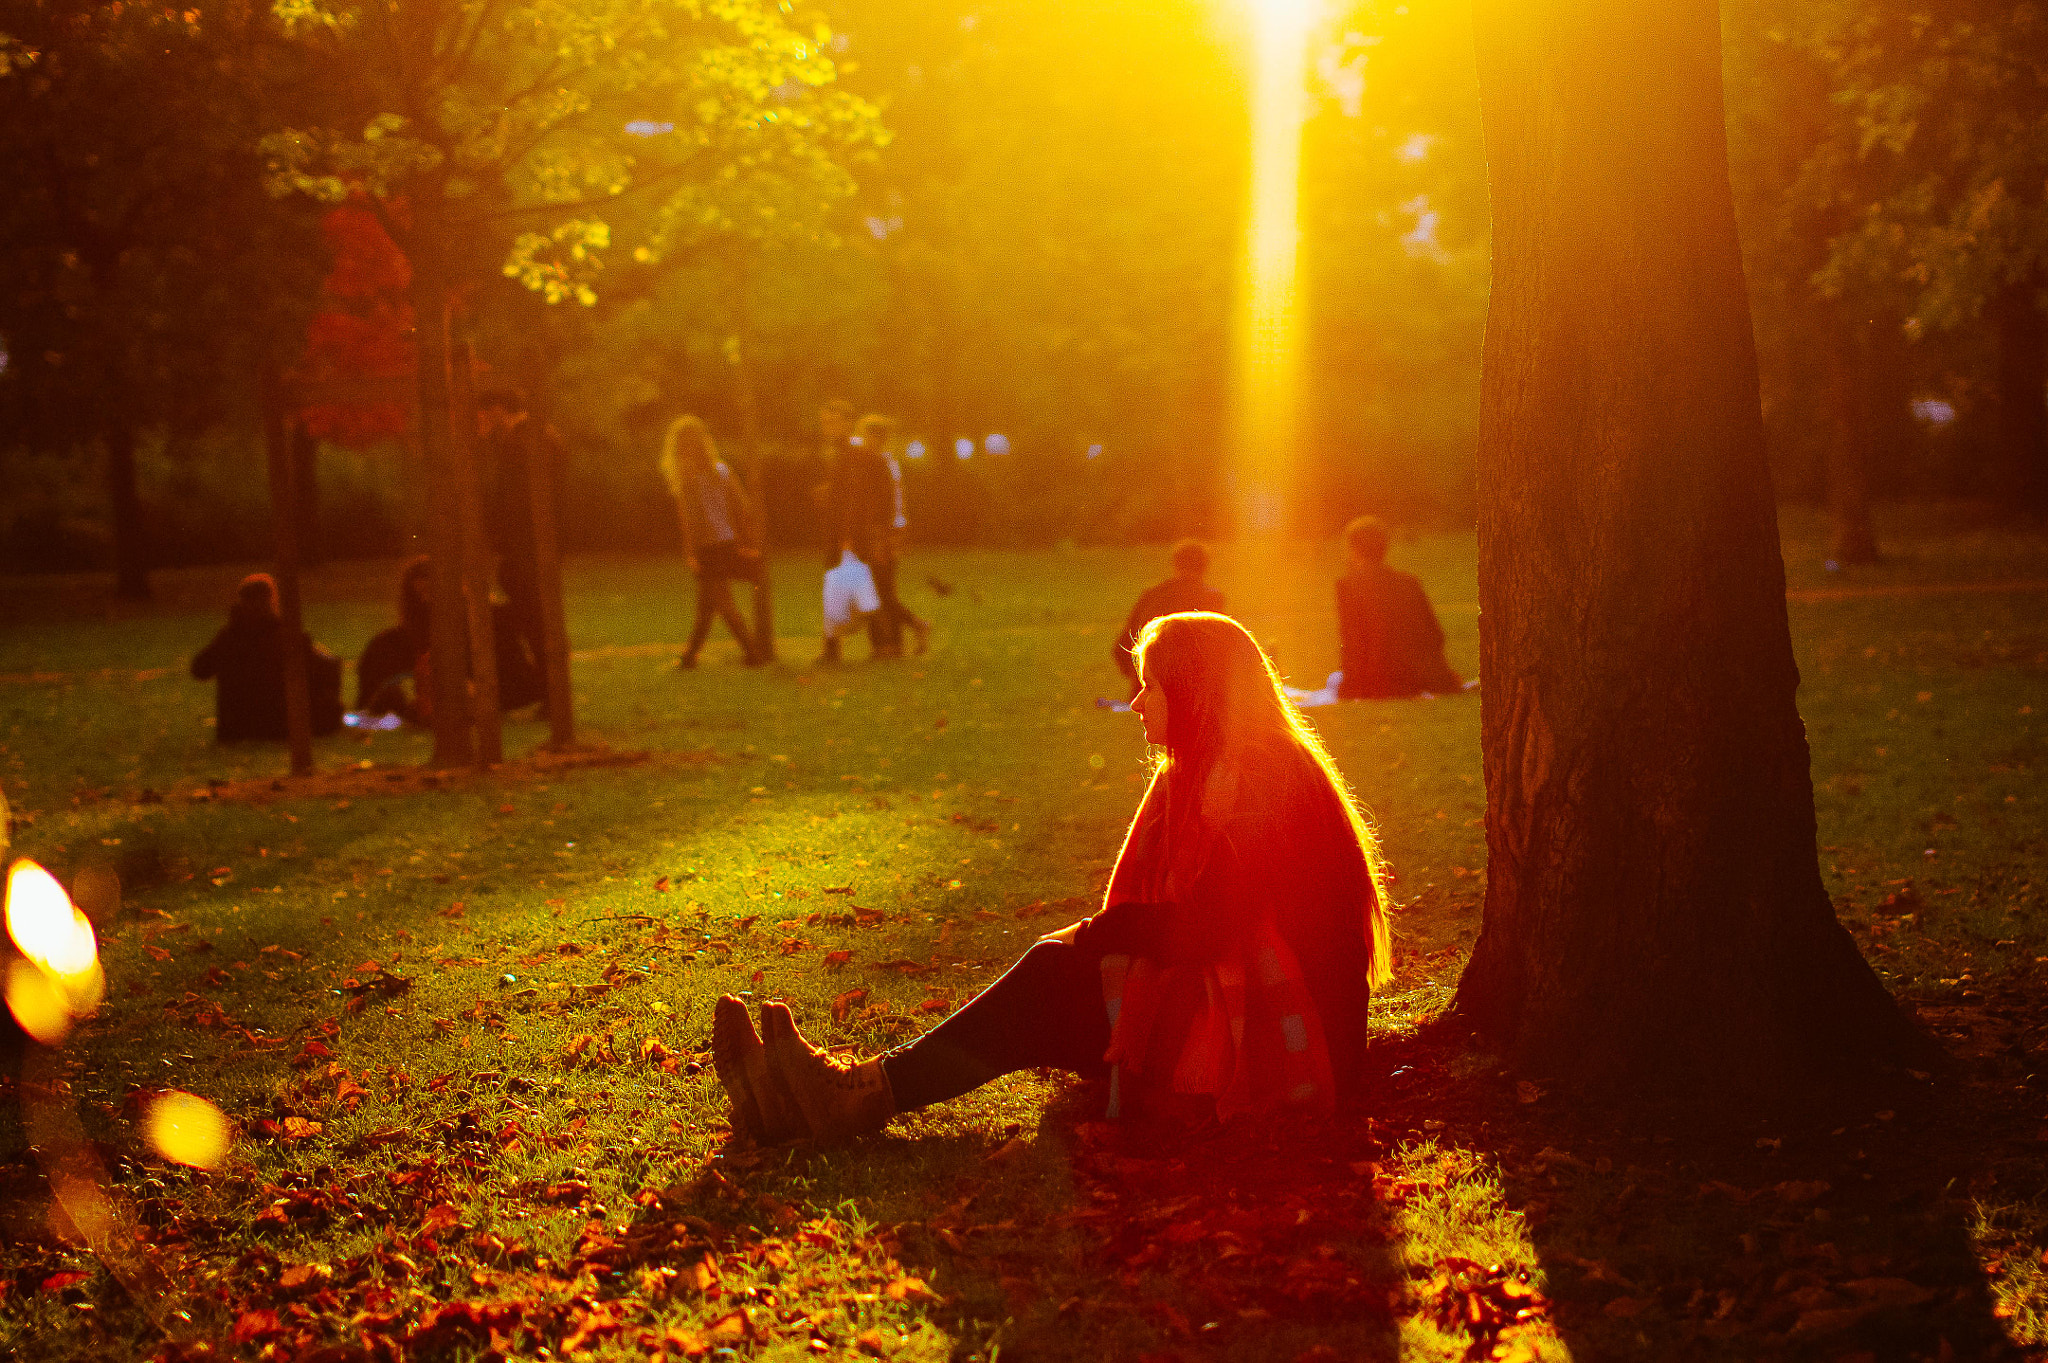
<point x="59" y="977"/>
<point x="186" y="1129"/>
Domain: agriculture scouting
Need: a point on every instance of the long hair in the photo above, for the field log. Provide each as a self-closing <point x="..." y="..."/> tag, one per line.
<point x="686" y="449"/>
<point x="1225" y="706"/>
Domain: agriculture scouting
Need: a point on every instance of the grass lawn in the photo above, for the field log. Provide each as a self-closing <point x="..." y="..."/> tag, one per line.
<point x="462" y="1030"/>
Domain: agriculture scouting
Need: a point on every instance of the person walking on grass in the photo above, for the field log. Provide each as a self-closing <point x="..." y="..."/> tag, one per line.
<point x="1187" y="590"/>
<point x="876" y="435"/>
<point x="1229" y="969"/>
<point x="719" y="540"/>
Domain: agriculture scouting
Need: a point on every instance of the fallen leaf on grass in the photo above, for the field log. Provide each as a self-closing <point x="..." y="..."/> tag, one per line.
<point x="847" y="1002"/>
<point x="1884" y="1292"/>
<point x="299" y="1129"/>
<point x="910" y="1289"/>
<point x="835" y="959"/>
<point x="1796" y="1192"/>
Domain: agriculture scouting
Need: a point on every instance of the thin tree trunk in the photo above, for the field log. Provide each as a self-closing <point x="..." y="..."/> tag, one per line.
<point x="1654" y="907"/>
<point x="476" y="560"/>
<point x="448" y="636"/>
<point x="547" y="562"/>
<point x="1848" y="445"/>
<point x="131" y="547"/>
<point x="280" y="449"/>
<point x="306" y="477"/>
<point x="2022" y="395"/>
<point x="750" y="445"/>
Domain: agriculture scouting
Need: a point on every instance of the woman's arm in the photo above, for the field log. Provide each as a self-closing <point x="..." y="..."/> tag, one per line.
<point x="1197" y="929"/>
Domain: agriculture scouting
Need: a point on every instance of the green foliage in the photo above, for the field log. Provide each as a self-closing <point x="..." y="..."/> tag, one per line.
<point x="495" y="134"/>
<point x="1937" y="154"/>
<point x="141" y="267"/>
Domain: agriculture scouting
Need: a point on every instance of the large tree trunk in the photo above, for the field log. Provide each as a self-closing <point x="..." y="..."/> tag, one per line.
<point x="448" y="636"/>
<point x="131" y="545"/>
<point x="2022" y="395"/>
<point x="1654" y="908"/>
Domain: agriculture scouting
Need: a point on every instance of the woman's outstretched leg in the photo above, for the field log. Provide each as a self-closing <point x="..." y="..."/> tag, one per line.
<point x="1046" y="1010"/>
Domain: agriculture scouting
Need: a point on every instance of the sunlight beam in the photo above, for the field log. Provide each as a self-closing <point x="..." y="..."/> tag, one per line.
<point x="1268" y="341"/>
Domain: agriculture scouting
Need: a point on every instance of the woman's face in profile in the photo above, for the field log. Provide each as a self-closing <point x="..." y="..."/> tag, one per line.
<point x="1150" y="706"/>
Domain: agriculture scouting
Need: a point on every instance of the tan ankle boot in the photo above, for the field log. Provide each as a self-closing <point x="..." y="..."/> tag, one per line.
<point x="839" y="1101"/>
<point x="762" y="1108"/>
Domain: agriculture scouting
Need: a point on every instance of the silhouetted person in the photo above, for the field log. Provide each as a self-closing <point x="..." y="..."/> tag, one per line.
<point x="1392" y="643"/>
<point x="719" y="533"/>
<point x="1230" y="969"/>
<point x="860" y="514"/>
<point x="1186" y="590"/>
<point x="391" y="658"/>
<point x="398" y="655"/>
<point x="245" y="662"/>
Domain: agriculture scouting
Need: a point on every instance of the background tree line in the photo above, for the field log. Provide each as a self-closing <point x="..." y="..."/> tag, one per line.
<point x="1007" y="219"/>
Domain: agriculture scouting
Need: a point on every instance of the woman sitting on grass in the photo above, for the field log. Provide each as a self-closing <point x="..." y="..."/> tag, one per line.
<point x="1232" y="961"/>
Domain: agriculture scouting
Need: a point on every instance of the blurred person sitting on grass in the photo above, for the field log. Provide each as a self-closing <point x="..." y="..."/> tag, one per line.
<point x="1391" y="642"/>
<point x="1186" y="590"/>
<point x="245" y="662"/>
<point x="1228" y="971"/>
<point x="720" y="536"/>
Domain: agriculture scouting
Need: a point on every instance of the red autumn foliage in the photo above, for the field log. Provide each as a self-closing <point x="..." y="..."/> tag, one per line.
<point x="365" y="334"/>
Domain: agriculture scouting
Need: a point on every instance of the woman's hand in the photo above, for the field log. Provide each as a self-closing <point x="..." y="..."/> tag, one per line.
<point x="1065" y="936"/>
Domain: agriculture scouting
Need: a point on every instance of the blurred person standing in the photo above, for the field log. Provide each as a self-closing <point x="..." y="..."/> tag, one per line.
<point x="1187" y="590"/>
<point x="876" y="435"/>
<point x="720" y="534"/>
<point x="859" y="516"/>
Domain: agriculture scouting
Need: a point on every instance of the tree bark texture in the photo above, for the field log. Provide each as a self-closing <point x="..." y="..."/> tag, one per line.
<point x="547" y="561"/>
<point x="2023" y="395"/>
<point x="1654" y="906"/>
<point x="281" y="451"/>
<point x="476" y="559"/>
<point x="448" y="634"/>
<point x="124" y="504"/>
<point x="306" y="478"/>
<point x="1848" y="444"/>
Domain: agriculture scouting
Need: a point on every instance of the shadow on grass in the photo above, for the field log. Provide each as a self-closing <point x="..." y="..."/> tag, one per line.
<point x="1084" y="1239"/>
<point x="1841" y="1227"/>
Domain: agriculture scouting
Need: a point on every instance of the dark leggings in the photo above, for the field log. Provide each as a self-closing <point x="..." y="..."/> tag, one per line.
<point x="1045" y="1010"/>
<point x="717" y="566"/>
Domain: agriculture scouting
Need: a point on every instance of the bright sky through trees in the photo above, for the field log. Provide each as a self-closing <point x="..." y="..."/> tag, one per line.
<point x="1268" y="344"/>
